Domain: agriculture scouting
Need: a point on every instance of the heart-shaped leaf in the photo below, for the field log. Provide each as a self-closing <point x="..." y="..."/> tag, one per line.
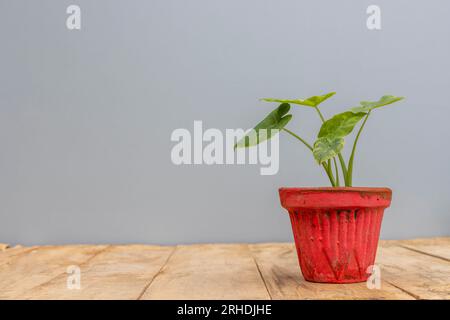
<point x="326" y="148"/>
<point x="340" y="125"/>
<point x="313" y="101"/>
<point x="367" y="106"/>
<point x="271" y="124"/>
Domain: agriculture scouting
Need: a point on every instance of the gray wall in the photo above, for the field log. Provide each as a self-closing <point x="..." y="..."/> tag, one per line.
<point x="86" y="116"/>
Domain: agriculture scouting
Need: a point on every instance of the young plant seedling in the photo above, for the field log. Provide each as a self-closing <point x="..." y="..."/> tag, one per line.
<point x="330" y="139"/>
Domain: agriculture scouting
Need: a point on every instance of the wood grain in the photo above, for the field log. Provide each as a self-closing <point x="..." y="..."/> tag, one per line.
<point x="279" y="267"/>
<point x="36" y="266"/>
<point x="437" y="247"/>
<point x="418" y="268"/>
<point x="121" y="272"/>
<point x="421" y="275"/>
<point x="8" y="255"/>
<point x="220" y="271"/>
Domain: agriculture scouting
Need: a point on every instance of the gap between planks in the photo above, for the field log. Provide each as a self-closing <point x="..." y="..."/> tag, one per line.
<point x="157" y="274"/>
<point x="425" y="253"/>
<point x="259" y="271"/>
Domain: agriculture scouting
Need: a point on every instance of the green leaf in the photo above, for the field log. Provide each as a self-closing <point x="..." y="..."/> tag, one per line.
<point x="272" y="123"/>
<point x="367" y="106"/>
<point x="313" y="101"/>
<point x="316" y="100"/>
<point x="326" y="148"/>
<point x="340" y="125"/>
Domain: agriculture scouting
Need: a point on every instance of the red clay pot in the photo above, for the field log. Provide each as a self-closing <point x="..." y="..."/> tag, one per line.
<point x="336" y="230"/>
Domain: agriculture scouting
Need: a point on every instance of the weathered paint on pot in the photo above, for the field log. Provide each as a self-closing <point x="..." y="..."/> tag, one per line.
<point x="336" y="230"/>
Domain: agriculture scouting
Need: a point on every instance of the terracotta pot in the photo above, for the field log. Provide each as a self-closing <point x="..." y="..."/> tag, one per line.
<point x="336" y="230"/>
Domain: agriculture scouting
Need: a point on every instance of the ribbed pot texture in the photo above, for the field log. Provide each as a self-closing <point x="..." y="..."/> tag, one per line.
<point x="336" y="230"/>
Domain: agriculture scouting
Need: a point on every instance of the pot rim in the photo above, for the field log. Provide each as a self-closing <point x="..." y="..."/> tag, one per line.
<point x="336" y="189"/>
<point x="335" y="197"/>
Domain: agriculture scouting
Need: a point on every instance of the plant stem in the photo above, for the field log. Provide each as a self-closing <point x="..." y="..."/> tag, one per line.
<point x="343" y="167"/>
<point x="352" y="156"/>
<point x="329" y="169"/>
<point x="330" y="172"/>
<point x="337" y="172"/>
<point x="341" y="159"/>
<point x="330" y="176"/>
<point x="320" y="113"/>
<point x="298" y="138"/>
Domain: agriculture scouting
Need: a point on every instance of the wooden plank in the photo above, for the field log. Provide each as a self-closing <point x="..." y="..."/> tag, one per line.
<point x="121" y="272"/>
<point x="421" y="275"/>
<point x="444" y="241"/>
<point x="35" y="266"/>
<point x="409" y="268"/>
<point x="7" y="256"/>
<point x="279" y="267"/>
<point x="220" y="271"/>
<point x="437" y="247"/>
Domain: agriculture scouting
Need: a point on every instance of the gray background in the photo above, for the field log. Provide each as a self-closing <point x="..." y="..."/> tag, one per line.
<point x="86" y="116"/>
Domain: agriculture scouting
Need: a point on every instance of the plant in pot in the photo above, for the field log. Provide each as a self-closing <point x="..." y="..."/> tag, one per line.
<point x="336" y="229"/>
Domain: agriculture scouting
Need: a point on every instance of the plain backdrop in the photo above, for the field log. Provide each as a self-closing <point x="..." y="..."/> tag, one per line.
<point x="86" y="115"/>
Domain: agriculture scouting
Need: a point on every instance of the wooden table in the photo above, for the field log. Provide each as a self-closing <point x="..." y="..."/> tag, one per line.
<point x="410" y="269"/>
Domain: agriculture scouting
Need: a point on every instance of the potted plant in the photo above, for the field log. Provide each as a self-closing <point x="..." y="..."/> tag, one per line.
<point x="336" y="229"/>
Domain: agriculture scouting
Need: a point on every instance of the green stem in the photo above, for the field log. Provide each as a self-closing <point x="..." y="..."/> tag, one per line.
<point x="341" y="159"/>
<point x="320" y="113"/>
<point x="352" y="156"/>
<point x="337" y="172"/>
<point x="311" y="148"/>
<point x="329" y="174"/>
<point x="298" y="138"/>
<point x="343" y="167"/>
